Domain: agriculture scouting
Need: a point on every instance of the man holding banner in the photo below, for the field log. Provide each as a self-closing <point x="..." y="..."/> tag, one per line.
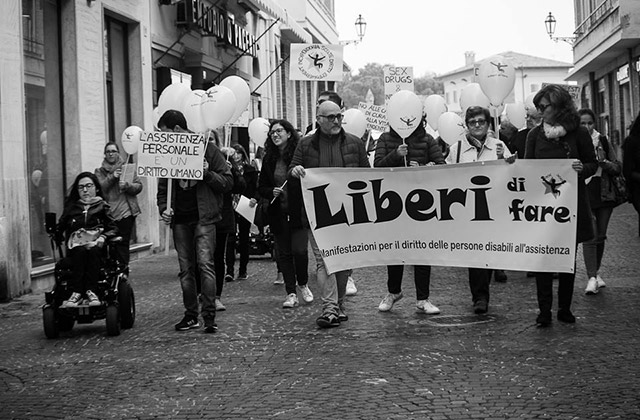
<point x="330" y="146"/>
<point x="193" y="209"/>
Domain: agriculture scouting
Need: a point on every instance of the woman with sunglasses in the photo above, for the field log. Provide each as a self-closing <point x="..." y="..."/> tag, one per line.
<point x="285" y="210"/>
<point x="561" y="136"/>
<point x="601" y="199"/>
<point x="85" y="225"/>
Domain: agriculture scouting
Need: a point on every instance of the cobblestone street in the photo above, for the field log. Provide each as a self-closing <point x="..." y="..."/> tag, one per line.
<point x="270" y="363"/>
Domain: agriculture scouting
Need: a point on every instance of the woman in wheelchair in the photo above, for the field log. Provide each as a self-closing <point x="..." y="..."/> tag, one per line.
<point x="85" y="226"/>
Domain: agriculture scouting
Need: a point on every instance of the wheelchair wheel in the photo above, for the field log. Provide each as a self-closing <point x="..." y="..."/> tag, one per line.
<point x="50" y="322"/>
<point x="127" y="303"/>
<point x="113" y="320"/>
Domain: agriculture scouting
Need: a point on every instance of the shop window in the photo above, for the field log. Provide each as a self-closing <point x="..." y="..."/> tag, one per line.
<point x="43" y="116"/>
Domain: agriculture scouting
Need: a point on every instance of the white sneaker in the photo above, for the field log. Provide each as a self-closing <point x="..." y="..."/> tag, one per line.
<point x="351" y="287"/>
<point x="279" y="279"/>
<point x="219" y="305"/>
<point x="592" y="286"/>
<point x="599" y="282"/>
<point x="425" y="306"/>
<point x="290" y="301"/>
<point x="93" y="299"/>
<point x="307" y="296"/>
<point x="388" y="301"/>
<point x="73" y="301"/>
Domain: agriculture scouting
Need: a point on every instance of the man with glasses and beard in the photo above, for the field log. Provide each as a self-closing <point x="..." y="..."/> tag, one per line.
<point x="329" y="146"/>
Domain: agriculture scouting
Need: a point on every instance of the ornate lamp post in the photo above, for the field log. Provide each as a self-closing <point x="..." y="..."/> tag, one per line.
<point x="550" y="25"/>
<point x="361" y="28"/>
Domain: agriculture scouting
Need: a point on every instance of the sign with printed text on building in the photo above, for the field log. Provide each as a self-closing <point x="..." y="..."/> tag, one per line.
<point x="397" y="79"/>
<point x="519" y="216"/>
<point x="316" y="62"/>
<point x="171" y="155"/>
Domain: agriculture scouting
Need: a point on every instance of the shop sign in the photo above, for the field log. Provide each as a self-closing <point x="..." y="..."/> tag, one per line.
<point x="218" y="23"/>
<point x="623" y="74"/>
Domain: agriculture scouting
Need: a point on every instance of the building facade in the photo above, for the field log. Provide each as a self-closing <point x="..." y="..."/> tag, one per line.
<point x="531" y="73"/>
<point x="606" y="53"/>
<point x="75" y="73"/>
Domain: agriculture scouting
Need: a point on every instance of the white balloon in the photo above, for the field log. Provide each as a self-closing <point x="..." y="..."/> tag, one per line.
<point x="472" y="95"/>
<point x="172" y="97"/>
<point x="516" y="114"/>
<point x="259" y="130"/>
<point x="241" y="90"/>
<point x="217" y="106"/>
<point x="451" y="127"/>
<point x="404" y="112"/>
<point x="354" y="122"/>
<point x="434" y="106"/>
<point x="497" y="77"/>
<point x="130" y="139"/>
<point x="528" y="101"/>
<point x="192" y="110"/>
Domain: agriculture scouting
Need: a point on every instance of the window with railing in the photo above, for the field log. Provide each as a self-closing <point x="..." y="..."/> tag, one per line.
<point x="599" y="13"/>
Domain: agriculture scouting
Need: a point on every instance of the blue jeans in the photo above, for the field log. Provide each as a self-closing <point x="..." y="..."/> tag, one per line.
<point x="194" y="241"/>
<point x="332" y="287"/>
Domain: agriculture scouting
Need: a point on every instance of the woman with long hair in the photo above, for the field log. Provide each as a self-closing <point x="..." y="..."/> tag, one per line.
<point x="601" y="199"/>
<point x="285" y="210"/>
<point x="561" y="136"/>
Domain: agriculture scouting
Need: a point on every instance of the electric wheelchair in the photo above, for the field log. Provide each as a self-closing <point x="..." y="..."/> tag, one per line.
<point x="117" y="301"/>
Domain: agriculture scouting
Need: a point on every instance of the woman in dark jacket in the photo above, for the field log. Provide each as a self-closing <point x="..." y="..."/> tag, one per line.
<point x="250" y="174"/>
<point x="285" y="210"/>
<point x="84" y="226"/>
<point x="562" y="137"/>
<point x="419" y="149"/>
<point x="631" y="164"/>
<point x="226" y="229"/>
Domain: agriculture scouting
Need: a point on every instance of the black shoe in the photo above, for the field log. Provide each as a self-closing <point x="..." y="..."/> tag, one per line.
<point x="544" y="319"/>
<point x="342" y="316"/>
<point x="480" y="307"/>
<point x="228" y="278"/>
<point x="565" y="315"/>
<point x="500" y="276"/>
<point x="187" y="323"/>
<point x="242" y="276"/>
<point x="210" y="326"/>
<point x="328" y="321"/>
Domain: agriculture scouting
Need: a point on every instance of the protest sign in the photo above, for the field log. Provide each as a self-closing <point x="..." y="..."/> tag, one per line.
<point x="171" y="155"/>
<point x="316" y="62"/>
<point x="376" y="116"/>
<point x="519" y="216"/>
<point x="574" y="91"/>
<point x="397" y="79"/>
<point x="244" y="209"/>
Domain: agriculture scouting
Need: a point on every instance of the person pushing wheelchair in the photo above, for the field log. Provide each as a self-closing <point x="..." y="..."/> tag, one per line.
<point x="84" y="226"/>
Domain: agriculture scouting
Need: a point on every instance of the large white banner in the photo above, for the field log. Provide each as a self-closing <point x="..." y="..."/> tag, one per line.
<point x="316" y="62"/>
<point x="171" y="155"/>
<point x="519" y="216"/>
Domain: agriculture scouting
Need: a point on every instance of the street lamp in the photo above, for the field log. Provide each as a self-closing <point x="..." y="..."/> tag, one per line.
<point x="361" y="28"/>
<point x="550" y="24"/>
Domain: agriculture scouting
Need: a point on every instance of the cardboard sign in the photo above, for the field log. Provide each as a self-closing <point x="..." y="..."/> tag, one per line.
<point x="316" y="62"/>
<point x="171" y="155"/>
<point x="376" y="116"/>
<point x="397" y="79"/>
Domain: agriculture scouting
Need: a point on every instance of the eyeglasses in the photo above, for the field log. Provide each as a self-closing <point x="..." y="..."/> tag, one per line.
<point x="277" y="131"/>
<point x="332" y="117"/>
<point x="83" y="187"/>
<point x="542" y="108"/>
<point x="479" y="122"/>
<point x="111" y="152"/>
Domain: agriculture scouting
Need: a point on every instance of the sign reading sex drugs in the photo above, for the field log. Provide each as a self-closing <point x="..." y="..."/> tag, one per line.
<point x="519" y="216"/>
<point x="171" y="155"/>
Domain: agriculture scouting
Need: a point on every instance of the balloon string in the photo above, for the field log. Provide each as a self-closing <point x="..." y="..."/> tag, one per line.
<point x="405" y="156"/>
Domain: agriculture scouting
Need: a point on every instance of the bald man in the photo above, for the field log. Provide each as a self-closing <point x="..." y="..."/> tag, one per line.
<point x="329" y="146"/>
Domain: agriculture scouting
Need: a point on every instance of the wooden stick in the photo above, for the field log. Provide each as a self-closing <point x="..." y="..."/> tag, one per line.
<point x="167" y="233"/>
<point x="282" y="186"/>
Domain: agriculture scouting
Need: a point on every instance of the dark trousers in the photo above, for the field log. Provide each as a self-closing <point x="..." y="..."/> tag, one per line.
<point x="243" y="244"/>
<point x="293" y="258"/>
<point x="85" y="263"/>
<point x="219" y="259"/>
<point x="479" y="283"/>
<point x="125" y="226"/>
<point x="544" y="286"/>
<point x="421" y="277"/>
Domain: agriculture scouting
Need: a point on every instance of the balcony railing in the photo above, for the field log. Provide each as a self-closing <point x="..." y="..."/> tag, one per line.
<point x="597" y="16"/>
<point x="33" y="47"/>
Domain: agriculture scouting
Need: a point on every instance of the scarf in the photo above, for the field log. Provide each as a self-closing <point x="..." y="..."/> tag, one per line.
<point x="554" y="131"/>
<point x="111" y="167"/>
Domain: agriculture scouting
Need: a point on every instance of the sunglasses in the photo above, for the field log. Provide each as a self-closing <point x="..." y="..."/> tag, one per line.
<point x="332" y="117"/>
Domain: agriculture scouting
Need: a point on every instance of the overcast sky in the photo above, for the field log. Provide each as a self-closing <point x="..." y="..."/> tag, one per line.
<point x="432" y="35"/>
